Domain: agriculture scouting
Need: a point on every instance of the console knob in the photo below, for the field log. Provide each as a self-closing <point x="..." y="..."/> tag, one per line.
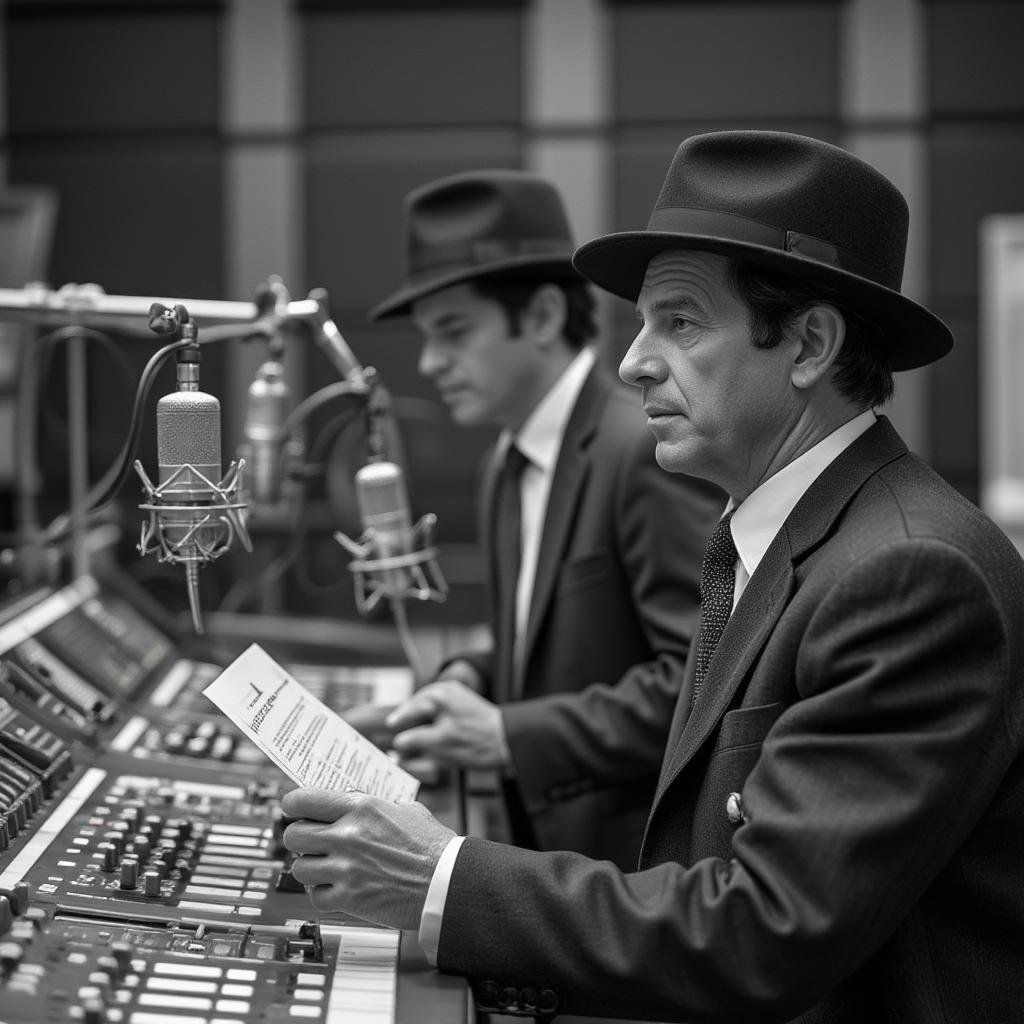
<point x="129" y="873"/>
<point x="122" y="953"/>
<point x="141" y="847"/>
<point x="110" y="855"/>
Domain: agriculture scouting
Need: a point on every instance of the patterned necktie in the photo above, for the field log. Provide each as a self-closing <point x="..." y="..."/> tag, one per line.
<point x="508" y="549"/>
<point x="717" y="583"/>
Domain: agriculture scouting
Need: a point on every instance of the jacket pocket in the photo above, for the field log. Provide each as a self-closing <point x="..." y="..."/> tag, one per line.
<point x="746" y="726"/>
<point x="582" y="572"/>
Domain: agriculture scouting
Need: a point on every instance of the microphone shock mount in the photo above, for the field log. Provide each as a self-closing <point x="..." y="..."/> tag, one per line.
<point x="192" y="518"/>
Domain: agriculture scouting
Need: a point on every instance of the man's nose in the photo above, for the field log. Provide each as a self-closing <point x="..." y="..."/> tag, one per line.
<point x="431" y="359"/>
<point x="639" y="366"/>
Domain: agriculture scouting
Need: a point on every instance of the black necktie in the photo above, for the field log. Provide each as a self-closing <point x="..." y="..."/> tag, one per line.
<point x="717" y="583"/>
<point x="508" y="550"/>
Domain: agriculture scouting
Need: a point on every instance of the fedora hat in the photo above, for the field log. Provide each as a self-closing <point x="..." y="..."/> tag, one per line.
<point x="787" y="203"/>
<point x="476" y="224"/>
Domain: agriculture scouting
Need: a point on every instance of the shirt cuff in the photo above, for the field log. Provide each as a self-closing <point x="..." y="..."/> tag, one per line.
<point x="437" y="894"/>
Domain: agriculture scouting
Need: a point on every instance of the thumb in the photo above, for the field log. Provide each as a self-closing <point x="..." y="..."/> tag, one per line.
<point x="420" y="709"/>
<point x="420" y="739"/>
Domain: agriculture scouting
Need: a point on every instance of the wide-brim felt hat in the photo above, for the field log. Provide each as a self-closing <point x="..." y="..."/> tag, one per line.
<point x="791" y="204"/>
<point x="476" y="224"/>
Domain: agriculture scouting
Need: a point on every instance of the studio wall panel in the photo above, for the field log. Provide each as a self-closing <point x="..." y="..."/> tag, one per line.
<point x="704" y="61"/>
<point x="354" y="192"/>
<point x="975" y="57"/>
<point x="116" y="106"/>
<point x="112" y="67"/>
<point x="137" y="217"/>
<point x="434" y="64"/>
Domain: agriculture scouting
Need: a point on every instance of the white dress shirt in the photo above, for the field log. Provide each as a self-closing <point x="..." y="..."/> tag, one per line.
<point x="754" y="525"/>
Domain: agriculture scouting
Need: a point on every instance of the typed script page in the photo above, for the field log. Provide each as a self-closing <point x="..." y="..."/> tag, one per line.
<point x="311" y="744"/>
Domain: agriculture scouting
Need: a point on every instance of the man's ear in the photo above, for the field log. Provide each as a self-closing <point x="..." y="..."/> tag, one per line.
<point x="545" y="315"/>
<point x="820" y="331"/>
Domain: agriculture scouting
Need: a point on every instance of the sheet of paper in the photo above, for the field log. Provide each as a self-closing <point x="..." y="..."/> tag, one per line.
<point x="311" y="744"/>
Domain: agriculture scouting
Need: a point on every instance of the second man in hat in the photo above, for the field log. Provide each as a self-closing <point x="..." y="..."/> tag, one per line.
<point x="592" y="550"/>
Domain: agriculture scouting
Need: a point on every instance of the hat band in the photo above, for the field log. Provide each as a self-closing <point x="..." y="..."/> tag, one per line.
<point x="730" y="227"/>
<point x="487" y="250"/>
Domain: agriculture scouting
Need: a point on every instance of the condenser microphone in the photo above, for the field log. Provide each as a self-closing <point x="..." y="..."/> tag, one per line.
<point x="188" y="468"/>
<point x="384" y="512"/>
<point x="267" y="404"/>
<point x="394" y="559"/>
<point x="193" y="514"/>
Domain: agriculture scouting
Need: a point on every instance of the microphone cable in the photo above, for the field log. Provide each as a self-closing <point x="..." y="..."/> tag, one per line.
<point x="103" y="492"/>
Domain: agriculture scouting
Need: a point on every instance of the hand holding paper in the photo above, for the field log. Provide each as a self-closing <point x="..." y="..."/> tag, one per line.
<point x="370" y="856"/>
<point x="364" y="857"/>
<point x="311" y="744"/>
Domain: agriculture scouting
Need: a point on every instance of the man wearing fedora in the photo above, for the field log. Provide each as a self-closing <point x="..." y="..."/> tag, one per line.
<point x="838" y="829"/>
<point x="592" y="550"/>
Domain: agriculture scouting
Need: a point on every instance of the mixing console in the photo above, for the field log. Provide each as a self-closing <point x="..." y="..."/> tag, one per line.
<point x="142" y="875"/>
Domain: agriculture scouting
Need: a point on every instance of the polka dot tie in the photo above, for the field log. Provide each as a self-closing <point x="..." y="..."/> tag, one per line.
<point x="717" y="583"/>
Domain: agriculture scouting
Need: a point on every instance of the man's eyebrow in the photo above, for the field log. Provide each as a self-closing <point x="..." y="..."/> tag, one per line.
<point x="448" y="320"/>
<point x="671" y="305"/>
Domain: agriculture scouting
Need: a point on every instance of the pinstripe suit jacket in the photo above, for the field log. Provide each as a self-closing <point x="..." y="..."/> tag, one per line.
<point x="837" y="835"/>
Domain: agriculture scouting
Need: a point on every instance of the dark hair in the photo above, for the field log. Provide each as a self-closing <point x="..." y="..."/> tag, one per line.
<point x="514" y="296"/>
<point x="863" y="368"/>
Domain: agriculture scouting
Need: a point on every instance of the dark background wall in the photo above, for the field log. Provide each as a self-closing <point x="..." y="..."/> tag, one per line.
<point x="198" y="146"/>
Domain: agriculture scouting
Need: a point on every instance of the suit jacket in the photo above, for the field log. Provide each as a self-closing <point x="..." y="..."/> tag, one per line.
<point x="838" y="830"/>
<point x="616" y="587"/>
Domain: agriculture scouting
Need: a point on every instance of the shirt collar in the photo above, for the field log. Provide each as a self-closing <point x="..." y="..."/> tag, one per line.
<point x="540" y="437"/>
<point x="760" y="517"/>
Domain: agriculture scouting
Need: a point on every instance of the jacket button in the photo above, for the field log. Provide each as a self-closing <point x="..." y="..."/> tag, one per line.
<point x="487" y="994"/>
<point x="548" y="1001"/>
<point x="734" y="809"/>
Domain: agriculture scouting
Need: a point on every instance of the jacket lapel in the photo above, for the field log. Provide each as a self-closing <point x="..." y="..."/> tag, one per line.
<point x="768" y="592"/>
<point x="570" y="476"/>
